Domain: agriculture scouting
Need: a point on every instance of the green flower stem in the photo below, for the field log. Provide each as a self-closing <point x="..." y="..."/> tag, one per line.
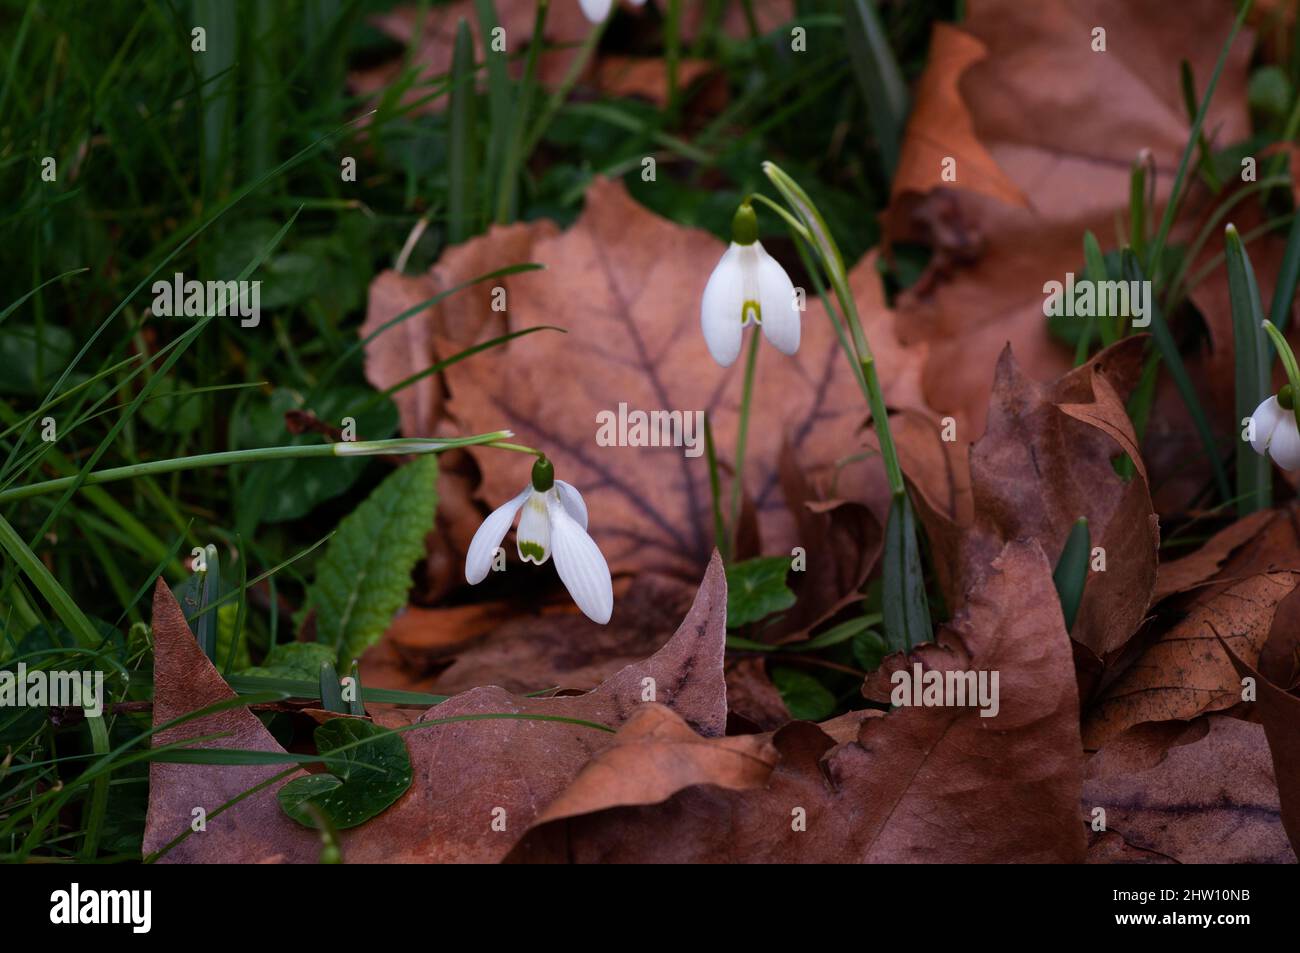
<point x="780" y="210"/>
<point x="1287" y="357"/>
<point x="258" y="455"/>
<point x="746" y="395"/>
<point x="819" y="236"/>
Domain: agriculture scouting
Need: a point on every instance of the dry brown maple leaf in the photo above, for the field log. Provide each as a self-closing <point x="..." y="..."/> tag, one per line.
<point x="1064" y="123"/>
<point x="1201" y="792"/>
<point x="1185" y="673"/>
<point x="918" y="784"/>
<point x="463" y="772"/>
<point x="626" y="284"/>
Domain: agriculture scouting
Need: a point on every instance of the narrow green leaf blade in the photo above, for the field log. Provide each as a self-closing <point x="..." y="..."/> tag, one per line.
<point x="906" y="608"/>
<point x="1254" y="474"/>
<point x="1072" y="571"/>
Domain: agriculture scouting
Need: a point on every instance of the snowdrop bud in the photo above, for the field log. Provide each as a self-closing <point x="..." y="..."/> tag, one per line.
<point x="543" y="475"/>
<point x="744" y="225"/>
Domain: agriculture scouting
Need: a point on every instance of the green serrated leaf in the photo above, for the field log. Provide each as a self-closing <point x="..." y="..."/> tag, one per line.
<point x="366" y="571"/>
<point x="805" y="697"/>
<point x="370" y="777"/>
<point x="756" y="589"/>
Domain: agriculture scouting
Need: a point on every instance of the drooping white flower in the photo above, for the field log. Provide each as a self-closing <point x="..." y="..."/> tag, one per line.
<point x="598" y="10"/>
<point x="1276" y="433"/>
<point x="748" y="285"/>
<point x="554" y="523"/>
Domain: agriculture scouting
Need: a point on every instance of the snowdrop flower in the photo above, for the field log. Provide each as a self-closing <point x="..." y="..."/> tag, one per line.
<point x="554" y="523"/>
<point x="747" y="285"/>
<point x="1276" y="433"/>
<point x="598" y="10"/>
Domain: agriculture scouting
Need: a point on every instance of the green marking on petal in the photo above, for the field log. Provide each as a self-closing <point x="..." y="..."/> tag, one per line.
<point x="745" y="312"/>
<point x="529" y="549"/>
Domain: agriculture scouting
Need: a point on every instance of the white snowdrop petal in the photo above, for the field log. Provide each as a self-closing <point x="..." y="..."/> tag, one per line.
<point x="1266" y="416"/>
<point x="1284" y="447"/>
<point x="596" y="10"/>
<point x="781" y="319"/>
<point x="720" y="308"/>
<point x="533" y="539"/>
<point x="573" y="502"/>
<point x="581" y="566"/>
<point x="478" y="561"/>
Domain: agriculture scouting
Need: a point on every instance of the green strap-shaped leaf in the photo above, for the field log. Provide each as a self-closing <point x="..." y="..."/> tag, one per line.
<point x="906" y="609"/>
<point x="1254" y="474"/>
<point x="1287" y="275"/>
<point x="366" y="571"/>
<point x="1164" y="342"/>
<point x="1072" y="570"/>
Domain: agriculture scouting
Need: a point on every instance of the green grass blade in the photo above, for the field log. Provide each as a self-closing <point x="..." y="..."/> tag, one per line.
<point x="1164" y="342"/>
<point x="462" y="161"/>
<point x="881" y="79"/>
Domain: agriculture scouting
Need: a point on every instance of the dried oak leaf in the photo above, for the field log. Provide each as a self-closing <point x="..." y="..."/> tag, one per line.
<point x="1195" y="793"/>
<point x="1184" y="673"/>
<point x="1042" y="104"/>
<point x="1045" y="460"/>
<point x="463" y="772"/>
<point x="627" y="286"/>
<point x="918" y="784"/>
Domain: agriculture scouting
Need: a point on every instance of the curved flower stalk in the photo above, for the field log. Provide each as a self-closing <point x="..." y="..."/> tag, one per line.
<point x="1276" y="432"/>
<point x="554" y="522"/>
<point x="598" y="10"/>
<point x="906" y="606"/>
<point x="748" y="285"/>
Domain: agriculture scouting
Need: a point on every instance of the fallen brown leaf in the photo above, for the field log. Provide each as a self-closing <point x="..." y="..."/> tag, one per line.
<point x="1184" y="673"/>
<point x="1200" y="792"/>
<point x="1045" y="460"/>
<point x="1042" y="105"/>
<point x="627" y="285"/>
<point x="1280" y="714"/>
<point x="891" y="783"/>
<point x="467" y="774"/>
